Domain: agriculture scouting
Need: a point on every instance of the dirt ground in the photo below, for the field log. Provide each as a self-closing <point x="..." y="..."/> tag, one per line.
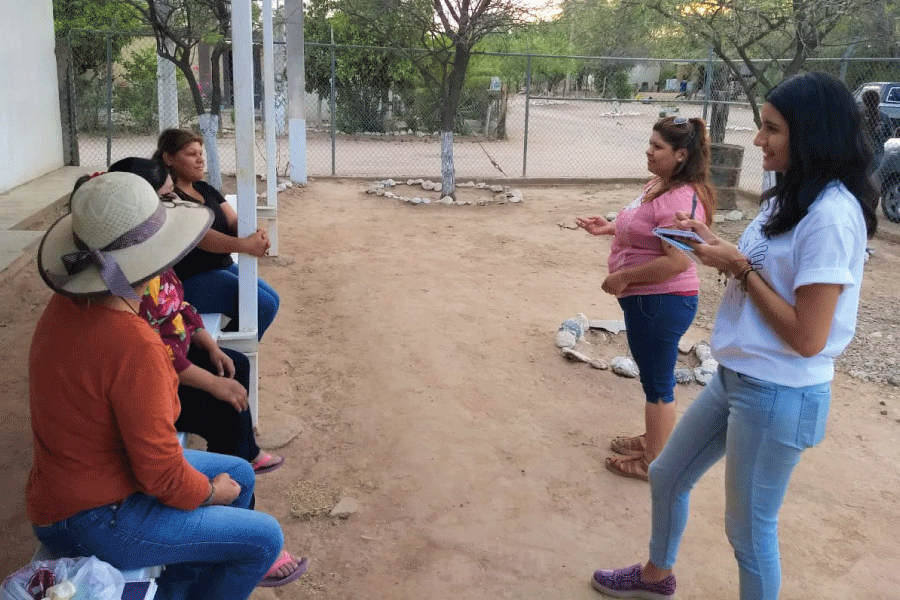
<point x="416" y="344"/>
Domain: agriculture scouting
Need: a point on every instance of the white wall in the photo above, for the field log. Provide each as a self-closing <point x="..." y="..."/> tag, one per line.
<point x="30" y="129"/>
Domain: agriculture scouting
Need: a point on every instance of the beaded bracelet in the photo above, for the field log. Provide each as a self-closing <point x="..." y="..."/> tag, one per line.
<point x="742" y="275"/>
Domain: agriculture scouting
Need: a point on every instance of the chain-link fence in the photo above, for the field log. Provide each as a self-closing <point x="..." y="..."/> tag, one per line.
<point x="369" y="115"/>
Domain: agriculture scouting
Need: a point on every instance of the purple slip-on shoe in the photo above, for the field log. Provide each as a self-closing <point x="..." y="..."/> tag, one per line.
<point x="626" y="583"/>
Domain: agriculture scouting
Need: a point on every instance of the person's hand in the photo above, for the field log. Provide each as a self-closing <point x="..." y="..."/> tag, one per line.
<point x="230" y="391"/>
<point x="227" y="490"/>
<point x="716" y="252"/>
<point x="256" y="244"/>
<point x="614" y="284"/>
<point x="596" y="225"/>
<point x="221" y="362"/>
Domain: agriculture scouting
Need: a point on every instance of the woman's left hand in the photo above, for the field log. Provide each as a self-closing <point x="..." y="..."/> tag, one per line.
<point x="222" y="362"/>
<point x="615" y="284"/>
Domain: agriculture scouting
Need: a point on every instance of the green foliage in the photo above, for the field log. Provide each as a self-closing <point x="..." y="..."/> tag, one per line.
<point x="89" y="50"/>
<point x="135" y="96"/>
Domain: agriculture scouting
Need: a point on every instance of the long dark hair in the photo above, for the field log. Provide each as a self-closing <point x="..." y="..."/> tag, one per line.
<point x="153" y="171"/>
<point x="826" y="143"/>
<point x="690" y="134"/>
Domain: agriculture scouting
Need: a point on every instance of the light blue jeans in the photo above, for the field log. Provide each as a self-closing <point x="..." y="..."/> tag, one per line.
<point x="213" y="552"/>
<point x="761" y="428"/>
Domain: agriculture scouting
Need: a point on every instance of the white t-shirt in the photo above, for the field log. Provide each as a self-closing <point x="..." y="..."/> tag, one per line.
<point x="827" y="246"/>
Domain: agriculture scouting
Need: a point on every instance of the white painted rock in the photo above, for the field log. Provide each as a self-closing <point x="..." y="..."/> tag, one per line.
<point x="438" y="186"/>
<point x="710" y="364"/>
<point x="573" y="354"/>
<point x="415" y="200"/>
<point x="685" y="345"/>
<point x="344" y="508"/>
<point x="481" y="185"/>
<point x="702" y="351"/>
<point x="611" y="326"/>
<point x="565" y="339"/>
<point x="718" y="218"/>
<point x="426" y="200"/>
<point x="703" y="376"/>
<point x="624" y="366"/>
<point x="390" y="195"/>
<point x="734" y="215"/>
<point x="446" y="200"/>
<point x="500" y="198"/>
<point x="599" y="363"/>
<point x="496" y="188"/>
<point x="411" y="182"/>
<point x="427" y="185"/>
<point x="684" y="376"/>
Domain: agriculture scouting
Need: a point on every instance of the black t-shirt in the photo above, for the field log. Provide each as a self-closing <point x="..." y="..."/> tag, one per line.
<point x="200" y="261"/>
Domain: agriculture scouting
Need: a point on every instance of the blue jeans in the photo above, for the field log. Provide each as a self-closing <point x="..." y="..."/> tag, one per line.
<point x="761" y="428"/>
<point x="216" y="291"/>
<point x="654" y="324"/>
<point x="213" y="552"/>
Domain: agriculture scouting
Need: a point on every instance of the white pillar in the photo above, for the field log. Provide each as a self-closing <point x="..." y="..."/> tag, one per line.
<point x="296" y="111"/>
<point x="242" y="52"/>
<point x="269" y="118"/>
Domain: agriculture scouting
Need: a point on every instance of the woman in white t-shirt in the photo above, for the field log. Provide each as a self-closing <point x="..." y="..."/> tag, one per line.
<point x="788" y="311"/>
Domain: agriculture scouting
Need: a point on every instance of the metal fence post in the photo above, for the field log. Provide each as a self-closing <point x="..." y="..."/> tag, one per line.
<point x="332" y="104"/>
<point x="527" y="104"/>
<point x="108" y="99"/>
<point x="706" y="84"/>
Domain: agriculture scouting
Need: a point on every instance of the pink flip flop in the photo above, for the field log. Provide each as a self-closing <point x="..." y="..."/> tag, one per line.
<point x="283" y="559"/>
<point x="267" y="464"/>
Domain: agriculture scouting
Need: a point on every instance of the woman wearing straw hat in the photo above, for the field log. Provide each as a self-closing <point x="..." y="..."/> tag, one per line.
<point x="109" y="478"/>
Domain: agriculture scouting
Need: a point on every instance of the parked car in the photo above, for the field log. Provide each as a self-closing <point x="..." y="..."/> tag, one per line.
<point x="888" y="175"/>
<point x="888" y="99"/>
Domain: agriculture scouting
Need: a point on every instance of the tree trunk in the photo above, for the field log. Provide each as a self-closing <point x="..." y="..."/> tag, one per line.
<point x="448" y="115"/>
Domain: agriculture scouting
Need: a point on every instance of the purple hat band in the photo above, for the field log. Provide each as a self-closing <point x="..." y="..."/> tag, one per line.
<point x="110" y="271"/>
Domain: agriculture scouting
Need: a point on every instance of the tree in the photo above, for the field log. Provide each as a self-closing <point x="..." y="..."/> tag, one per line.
<point x="72" y="16"/>
<point x="364" y="76"/>
<point x="447" y="31"/>
<point x="760" y="43"/>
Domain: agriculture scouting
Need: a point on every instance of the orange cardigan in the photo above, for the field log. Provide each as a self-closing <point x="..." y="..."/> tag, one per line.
<point x="104" y="399"/>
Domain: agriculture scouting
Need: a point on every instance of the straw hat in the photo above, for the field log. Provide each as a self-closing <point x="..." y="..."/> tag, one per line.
<point x="118" y="234"/>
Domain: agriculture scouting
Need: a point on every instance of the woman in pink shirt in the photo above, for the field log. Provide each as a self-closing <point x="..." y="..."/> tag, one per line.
<point x="656" y="284"/>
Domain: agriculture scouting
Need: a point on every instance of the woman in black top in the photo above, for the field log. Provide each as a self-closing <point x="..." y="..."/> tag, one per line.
<point x="208" y="273"/>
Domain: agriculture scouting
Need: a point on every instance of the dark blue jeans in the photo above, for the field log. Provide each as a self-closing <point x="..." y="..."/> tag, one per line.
<point x="216" y="291"/>
<point x="654" y="324"/>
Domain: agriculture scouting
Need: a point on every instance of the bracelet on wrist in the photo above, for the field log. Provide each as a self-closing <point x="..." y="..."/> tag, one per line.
<point x="212" y="492"/>
<point x="743" y="274"/>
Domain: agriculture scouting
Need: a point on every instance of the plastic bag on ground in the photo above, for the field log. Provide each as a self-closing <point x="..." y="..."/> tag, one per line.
<point x="93" y="579"/>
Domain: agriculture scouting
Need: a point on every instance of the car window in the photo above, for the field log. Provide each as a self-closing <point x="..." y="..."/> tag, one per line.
<point x="893" y="95"/>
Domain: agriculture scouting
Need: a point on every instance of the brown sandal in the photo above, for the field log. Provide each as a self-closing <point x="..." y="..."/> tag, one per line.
<point x="634" y="467"/>
<point x="629" y="446"/>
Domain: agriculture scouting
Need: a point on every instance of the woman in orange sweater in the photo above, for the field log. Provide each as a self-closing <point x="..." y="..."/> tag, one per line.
<point x="109" y="478"/>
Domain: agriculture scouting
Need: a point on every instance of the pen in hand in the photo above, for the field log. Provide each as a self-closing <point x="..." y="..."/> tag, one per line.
<point x="693" y="205"/>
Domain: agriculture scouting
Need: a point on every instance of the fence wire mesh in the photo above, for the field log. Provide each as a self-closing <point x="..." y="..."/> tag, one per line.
<point x="369" y="114"/>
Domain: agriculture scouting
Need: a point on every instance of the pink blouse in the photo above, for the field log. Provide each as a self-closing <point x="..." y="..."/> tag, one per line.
<point x="635" y="244"/>
<point x="173" y="319"/>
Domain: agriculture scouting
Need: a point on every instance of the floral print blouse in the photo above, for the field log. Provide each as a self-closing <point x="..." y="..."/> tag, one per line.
<point x="173" y="319"/>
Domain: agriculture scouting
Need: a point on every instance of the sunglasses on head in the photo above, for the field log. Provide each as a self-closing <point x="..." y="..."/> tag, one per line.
<point x="679" y="120"/>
